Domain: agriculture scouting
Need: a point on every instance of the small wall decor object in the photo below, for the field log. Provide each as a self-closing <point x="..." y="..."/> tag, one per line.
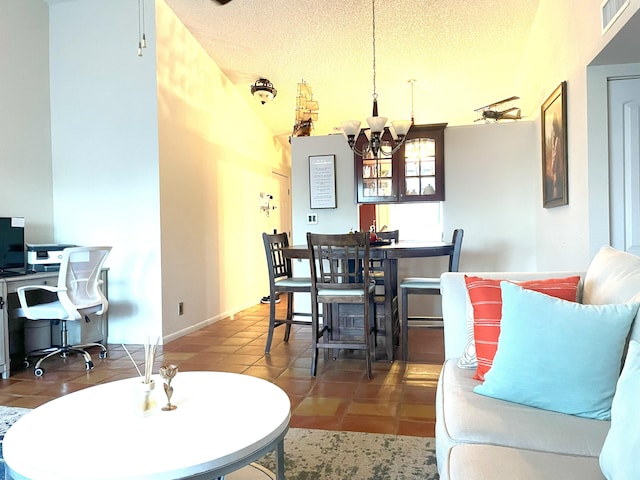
<point x="554" y="149"/>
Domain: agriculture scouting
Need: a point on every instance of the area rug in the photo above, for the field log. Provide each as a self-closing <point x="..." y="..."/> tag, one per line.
<point x="8" y="416"/>
<point x="315" y="454"/>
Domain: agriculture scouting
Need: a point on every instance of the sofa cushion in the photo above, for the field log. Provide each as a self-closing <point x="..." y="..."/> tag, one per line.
<point x="465" y="417"/>
<point x="613" y="276"/>
<point x="468" y="359"/>
<point x="558" y="355"/>
<point x="486" y="300"/>
<point x="489" y="462"/>
<point x="619" y="457"/>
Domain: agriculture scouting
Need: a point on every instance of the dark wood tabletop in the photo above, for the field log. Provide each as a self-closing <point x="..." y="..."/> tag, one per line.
<point x="389" y="254"/>
<point x="402" y="249"/>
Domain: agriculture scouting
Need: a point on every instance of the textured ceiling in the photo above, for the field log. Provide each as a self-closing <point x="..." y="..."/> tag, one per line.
<point x="463" y="54"/>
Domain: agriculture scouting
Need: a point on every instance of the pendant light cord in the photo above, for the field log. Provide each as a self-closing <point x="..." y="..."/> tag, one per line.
<point x="373" y="23"/>
<point x="142" y="39"/>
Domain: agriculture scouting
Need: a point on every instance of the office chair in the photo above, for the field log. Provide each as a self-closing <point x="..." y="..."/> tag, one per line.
<point x="78" y="295"/>
<point x="425" y="286"/>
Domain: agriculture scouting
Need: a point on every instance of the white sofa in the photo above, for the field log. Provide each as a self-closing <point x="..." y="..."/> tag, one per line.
<point x="479" y="437"/>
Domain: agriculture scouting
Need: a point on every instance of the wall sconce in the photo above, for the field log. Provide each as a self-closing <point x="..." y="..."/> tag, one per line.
<point x="263" y="90"/>
<point x="265" y="203"/>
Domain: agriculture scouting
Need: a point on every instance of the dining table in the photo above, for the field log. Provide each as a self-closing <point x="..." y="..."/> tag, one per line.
<point x="389" y="253"/>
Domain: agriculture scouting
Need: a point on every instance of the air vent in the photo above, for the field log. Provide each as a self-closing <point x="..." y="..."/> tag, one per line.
<point x="611" y="10"/>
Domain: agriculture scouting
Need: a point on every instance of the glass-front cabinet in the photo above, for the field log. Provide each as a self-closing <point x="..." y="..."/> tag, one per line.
<point x="414" y="173"/>
<point x="378" y="177"/>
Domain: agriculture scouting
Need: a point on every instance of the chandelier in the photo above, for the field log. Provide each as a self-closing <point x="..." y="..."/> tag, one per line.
<point x="398" y="129"/>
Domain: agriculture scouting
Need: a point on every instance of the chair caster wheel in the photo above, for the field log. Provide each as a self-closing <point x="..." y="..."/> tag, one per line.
<point x="26" y="364"/>
<point x="39" y="372"/>
<point x="103" y="354"/>
<point x="89" y="365"/>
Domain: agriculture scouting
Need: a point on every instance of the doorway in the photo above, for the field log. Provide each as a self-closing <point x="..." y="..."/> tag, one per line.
<point x="624" y="162"/>
<point x="280" y="205"/>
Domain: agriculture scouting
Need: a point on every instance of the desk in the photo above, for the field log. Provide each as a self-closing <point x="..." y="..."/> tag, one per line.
<point x="223" y="422"/>
<point x="11" y="330"/>
<point x="389" y="254"/>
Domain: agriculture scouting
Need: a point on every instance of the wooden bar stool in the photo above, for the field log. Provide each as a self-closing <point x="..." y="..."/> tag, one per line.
<point x="425" y="286"/>
<point x="281" y="280"/>
<point x="340" y="275"/>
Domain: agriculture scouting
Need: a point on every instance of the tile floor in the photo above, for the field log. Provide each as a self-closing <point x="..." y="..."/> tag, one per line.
<point x="398" y="399"/>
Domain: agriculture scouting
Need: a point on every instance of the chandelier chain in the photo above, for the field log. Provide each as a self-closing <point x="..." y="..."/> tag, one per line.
<point x="373" y="23"/>
<point x="377" y="124"/>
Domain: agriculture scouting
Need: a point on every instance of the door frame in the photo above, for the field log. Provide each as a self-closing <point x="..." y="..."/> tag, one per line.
<point x="598" y="149"/>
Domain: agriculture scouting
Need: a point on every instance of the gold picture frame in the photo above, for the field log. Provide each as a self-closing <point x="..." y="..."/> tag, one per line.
<point x="555" y="188"/>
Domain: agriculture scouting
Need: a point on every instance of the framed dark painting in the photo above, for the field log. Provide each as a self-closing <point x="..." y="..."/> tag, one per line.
<point x="554" y="149"/>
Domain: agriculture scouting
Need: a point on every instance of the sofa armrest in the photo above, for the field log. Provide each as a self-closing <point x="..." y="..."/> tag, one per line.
<point x="455" y="302"/>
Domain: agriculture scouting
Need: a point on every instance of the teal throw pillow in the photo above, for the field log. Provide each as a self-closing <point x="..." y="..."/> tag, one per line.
<point x="619" y="456"/>
<point x="558" y="355"/>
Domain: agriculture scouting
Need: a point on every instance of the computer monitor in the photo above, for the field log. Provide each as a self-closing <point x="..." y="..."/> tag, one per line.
<point x="12" y="253"/>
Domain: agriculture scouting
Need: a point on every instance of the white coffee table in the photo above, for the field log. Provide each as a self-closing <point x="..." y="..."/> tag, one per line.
<point x="223" y="422"/>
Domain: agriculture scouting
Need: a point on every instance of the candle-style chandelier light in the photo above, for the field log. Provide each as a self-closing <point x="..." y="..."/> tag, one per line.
<point x="398" y="129"/>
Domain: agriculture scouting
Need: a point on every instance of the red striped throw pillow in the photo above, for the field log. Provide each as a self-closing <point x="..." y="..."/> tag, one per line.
<point x="486" y="299"/>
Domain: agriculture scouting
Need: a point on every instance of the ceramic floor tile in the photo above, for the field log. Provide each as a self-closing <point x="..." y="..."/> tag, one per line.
<point x="319" y="422"/>
<point x="294" y="386"/>
<point x="321" y="406"/>
<point x="398" y="399"/>
<point x="371" y="424"/>
<point x="417" y="411"/>
<point x="372" y="408"/>
<point x="266" y="373"/>
<point x="334" y="389"/>
<point x="378" y="392"/>
<point x="417" y="429"/>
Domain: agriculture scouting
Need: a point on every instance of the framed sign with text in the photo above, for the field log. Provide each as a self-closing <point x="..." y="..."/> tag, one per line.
<point x="322" y="181"/>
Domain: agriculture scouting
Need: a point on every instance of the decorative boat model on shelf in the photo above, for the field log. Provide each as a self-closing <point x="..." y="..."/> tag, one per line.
<point x="306" y="111"/>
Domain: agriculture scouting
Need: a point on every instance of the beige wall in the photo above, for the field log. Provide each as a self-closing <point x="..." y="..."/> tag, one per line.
<point x="215" y="159"/>
<point x="25" y="133"/>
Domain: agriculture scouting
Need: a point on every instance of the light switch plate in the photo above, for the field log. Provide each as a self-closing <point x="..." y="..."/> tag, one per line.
<point x="312" y="218"/>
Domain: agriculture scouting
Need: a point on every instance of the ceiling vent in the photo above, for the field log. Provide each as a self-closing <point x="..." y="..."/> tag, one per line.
<point x="611" y="10"/>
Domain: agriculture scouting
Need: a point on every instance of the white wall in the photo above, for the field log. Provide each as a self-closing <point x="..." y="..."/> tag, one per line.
<point x="125" y="157"/>
<point x="562" y="44"/>
<point x="493" y="187"/>
<point x="105" y="153"/>
<point x="25" y="134"/>
<point x="174" y="186"/>
<point x="492" y="180"/>
<point x="330" y="220"/>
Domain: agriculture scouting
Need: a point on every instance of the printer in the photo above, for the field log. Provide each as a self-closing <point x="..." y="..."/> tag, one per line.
<point x="45" y="257"/>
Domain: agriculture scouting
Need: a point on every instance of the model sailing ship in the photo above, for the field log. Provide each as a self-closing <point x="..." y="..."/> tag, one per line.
<point x="306" y="111"/>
